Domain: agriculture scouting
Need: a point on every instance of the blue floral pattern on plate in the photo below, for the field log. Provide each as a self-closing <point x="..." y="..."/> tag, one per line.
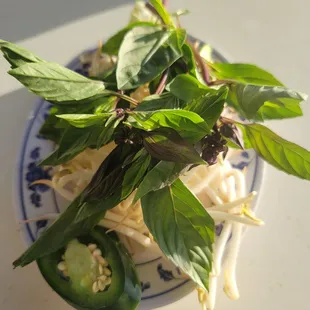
<point x="159" y="277"/>
<point x="145" y="285"/>
<point x="35" y="173"/>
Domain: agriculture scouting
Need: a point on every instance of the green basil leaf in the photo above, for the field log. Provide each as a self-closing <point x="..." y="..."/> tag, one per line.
<point x="282" y="154"/>
<point x="76" y="140"/>
<point x="187" y="87"/>
<point x="135" y="174"/>
<point x="272" y="110"/>
<point x="141" y="13"/>
<point x="107" y="132"/>
<point x="112" y="46"/>
<point x="162" y="12"/>
<point x="209" y="106"/>
<point x="53" y="127"/>
<point x="56" y="83"/>
<point x="245" y="73"/>
<point x="159" y="102"/>
<point x="73" y="142"/>
<point x="188" y="124"/>
<point x="96" y="106"/>
<point x="162" y="175"/>
<point x="131" y="159"/>
<point x="166" y="144"/>
<point x="51" y="130"/>
<point x="99" y="189"/>
<point x="16" y="55"/>
<point x="104" y="104"/>
<point x="182" y="228"/>
<point x="109" y="176"/>
<point x="144" y="54"/>
<point x="85" y="120"/>
<point x="189" y="58"/>
<point x="181" y="35"/>
<point x="78" y="218"/>
<point x="96" y="208"/>
<point x="249" y="98"/>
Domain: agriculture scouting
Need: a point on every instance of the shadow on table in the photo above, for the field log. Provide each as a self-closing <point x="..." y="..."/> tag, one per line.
<point x="14" y="110"/>
<point x="22" y="19"/>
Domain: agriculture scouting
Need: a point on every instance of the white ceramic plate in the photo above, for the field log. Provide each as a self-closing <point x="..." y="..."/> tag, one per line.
<point x="161" y="282"/>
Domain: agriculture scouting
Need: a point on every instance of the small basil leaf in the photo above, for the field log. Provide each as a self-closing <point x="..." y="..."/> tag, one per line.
<point x="245" y="73"/>
<point x="249" y="98"/>
<point x="181" y="36"/>
<point x="187" y="87"/>
<point x="109" y="175"/>
<point x="73" y="142"/>
<point x="144" y="54"/>
<point x="282" y="154"/>
<point x="189" y="58"/>
<point x="98" y="105"/>
<point x="159" y="102"/>
<point x="76" y="140"/>
<point x="16" y="55"/>
<point x="162" y="12"/>
<point x="182" y="228"/>
<point x="56" y="83"/>
<point x="209" y="106"/>
<point x="85" y="120"/>
<point x="112" y="46"/>
<point x="107" y="132"/>
<point x="166" y="144"/>
<point x="105" y="104"/>
<point x="162" y="175"/>
<point x="96" y="208"/>
<point x="53" y="127"/>
<point x="141" y="13"/>
<point x="131" y="159"/>
<point x="50" y="129"/>
<point x="272" y="110"/>
<point x="135" y="174"/>
<point x="188" y="124"/>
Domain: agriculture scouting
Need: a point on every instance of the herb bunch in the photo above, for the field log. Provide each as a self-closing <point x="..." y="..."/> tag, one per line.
<point x="178" y="126"/>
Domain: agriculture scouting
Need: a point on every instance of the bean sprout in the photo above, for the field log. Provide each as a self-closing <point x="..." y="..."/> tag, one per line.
<point x="129" y="232"/>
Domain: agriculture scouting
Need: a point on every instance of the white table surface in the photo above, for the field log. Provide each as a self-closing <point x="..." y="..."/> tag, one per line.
<point x="273" y="271"/>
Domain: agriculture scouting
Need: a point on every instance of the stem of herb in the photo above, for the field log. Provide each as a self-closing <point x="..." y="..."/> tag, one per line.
<point x="178" y="21"/>
<point x="202" y="64"/>
<point x="118" y="98"/>
<point x="125" y="97"/>
<point x="162" y="83"/>
<point x="220" y="82"/>
<point x="226" y="120"/>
